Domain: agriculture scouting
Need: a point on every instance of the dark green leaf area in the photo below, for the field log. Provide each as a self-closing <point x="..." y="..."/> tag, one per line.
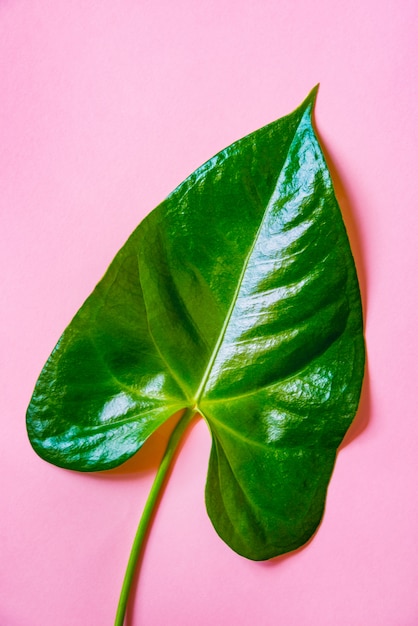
<point x="278" y="502"/>
<point x="290" y="304"/>
<point x="237" y="297"/>
<point x="273" y="453"/>
<point x="105" y="388"/>
<point x="196" y="243"/>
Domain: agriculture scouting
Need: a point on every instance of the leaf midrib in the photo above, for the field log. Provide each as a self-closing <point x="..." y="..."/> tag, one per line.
<point x="215" y="352"/>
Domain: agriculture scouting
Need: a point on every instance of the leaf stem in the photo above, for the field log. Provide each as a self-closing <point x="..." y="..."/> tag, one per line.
<point x="148" y="511"/>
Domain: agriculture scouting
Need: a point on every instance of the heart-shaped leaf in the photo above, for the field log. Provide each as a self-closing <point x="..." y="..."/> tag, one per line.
<point x="236" y="297"/>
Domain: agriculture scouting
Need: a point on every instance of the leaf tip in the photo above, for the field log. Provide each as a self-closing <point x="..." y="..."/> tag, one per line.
<point x="311" y="97"/>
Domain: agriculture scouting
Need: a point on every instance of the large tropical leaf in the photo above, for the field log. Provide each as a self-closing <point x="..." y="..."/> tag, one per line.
<point x="238" y="297"/>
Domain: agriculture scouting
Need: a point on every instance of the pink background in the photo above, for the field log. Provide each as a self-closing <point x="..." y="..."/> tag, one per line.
<point x="105" y="107"/>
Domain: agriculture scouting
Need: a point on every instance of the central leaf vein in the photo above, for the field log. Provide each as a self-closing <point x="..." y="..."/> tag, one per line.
<point x="215" y="352"/>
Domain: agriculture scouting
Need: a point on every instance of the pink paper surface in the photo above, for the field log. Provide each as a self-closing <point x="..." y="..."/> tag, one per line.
<point x="104" y="108"/>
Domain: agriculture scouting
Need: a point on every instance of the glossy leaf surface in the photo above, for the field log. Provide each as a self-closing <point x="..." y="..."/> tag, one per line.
<point x="237" y="296"/>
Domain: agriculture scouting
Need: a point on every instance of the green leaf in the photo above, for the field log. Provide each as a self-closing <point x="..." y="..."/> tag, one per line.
<point x="238" y="297"/>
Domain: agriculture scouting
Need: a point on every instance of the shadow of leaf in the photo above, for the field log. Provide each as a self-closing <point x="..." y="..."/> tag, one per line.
<point x="148" y="458"/>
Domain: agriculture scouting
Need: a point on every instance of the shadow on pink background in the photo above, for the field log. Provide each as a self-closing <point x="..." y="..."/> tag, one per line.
<point x="104" y="108"/>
